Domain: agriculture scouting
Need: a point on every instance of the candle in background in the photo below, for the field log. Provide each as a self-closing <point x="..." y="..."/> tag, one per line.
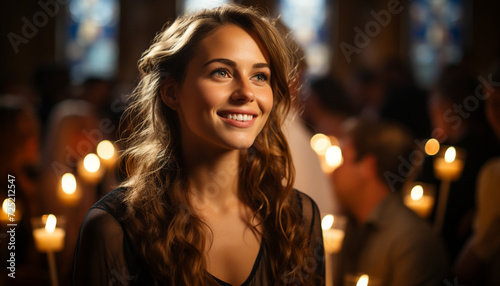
<point x="448" y="167"/>
<point x="89" y="169"/>
<point x="107" y="152"/>
<point x="68" y="191"/>
<point x="333" y="232"/>
<point x="48" y="238"/>
<point x="333" y="236"/>
<point x="9" y="206"/>
<point x="420" y="199"/>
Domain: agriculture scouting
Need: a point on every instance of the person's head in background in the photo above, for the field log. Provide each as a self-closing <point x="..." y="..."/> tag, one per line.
<point x="327" y="106"/>
<point x="366" y="90"/>
<point x="453" y="106"/>
<point x="372" y="156"/>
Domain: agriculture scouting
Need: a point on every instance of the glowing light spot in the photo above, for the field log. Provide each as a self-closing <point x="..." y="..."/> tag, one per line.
<point x="68" y="183"/>
<point x="417" y="192"/>
<point x="91" y="163"/>
<point x="5" y="205"/>
<point x="320" y="143"/>
<point x="334" y="156"/>
<point x="432" y="147"/>
<point x="105" y="149"/>
<point x="450" y="154"/>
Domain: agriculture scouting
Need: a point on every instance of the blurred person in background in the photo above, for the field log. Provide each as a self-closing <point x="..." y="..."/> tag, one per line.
<point x="479" y="261"/>
<point x="20" y="158"/>
<point x="384" y="239"/>
<point x="458" y="119"/>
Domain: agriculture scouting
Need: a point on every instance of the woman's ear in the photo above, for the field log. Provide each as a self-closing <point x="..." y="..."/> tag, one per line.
<point x="168" y="93"/>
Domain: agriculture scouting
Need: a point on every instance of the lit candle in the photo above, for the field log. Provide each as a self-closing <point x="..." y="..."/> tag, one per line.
<point x="332" y="236"/>
<point x="448" y="167"/>
<point x="49" y="238"/>
<point x="107" y="152"/>
<point x="8" y="206"/>
<point x="432" y="147"/>
<point x="90" y="169"/>
<point x="419" y="202"/>
<point x="68" y="191"/>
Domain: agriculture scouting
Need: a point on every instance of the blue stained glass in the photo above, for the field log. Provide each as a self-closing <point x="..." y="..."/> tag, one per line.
<point x="91" y="38"/>
<point x="437" y="29"/>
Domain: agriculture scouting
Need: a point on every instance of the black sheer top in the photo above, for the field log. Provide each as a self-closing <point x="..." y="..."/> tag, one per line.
<point x="105" y="254"/>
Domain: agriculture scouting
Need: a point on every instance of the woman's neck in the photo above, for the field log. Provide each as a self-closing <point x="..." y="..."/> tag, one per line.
<point x="213" y="178"/>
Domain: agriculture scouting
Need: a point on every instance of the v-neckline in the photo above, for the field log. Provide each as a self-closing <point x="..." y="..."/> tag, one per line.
<point x="250" y="276"/>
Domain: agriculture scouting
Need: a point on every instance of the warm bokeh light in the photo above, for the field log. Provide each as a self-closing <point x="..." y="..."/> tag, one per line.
<point x="68" y="183"/>
<point x="320" y="143"/>
<point x="105" y="149"/>
<point x="432" y="147"/>
<point x="50" y="225"/>
<point x="327" y="222"/>
<point x="333" y="156"/>
<point x="450" y="154"/>
<point x="417" y="192"/>
<point x="5" y="206"/>
<point x="363" y="280"/>
<point x="91" y="163"/>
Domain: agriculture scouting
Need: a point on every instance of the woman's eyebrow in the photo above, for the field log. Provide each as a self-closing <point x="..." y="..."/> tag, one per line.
<point x="233" y="64"/>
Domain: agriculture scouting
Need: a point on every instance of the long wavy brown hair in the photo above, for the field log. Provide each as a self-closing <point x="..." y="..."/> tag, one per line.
<point x="169" y="236"/>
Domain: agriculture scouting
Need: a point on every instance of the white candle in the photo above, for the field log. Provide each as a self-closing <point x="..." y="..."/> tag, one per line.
<point x="90" y="169"/>
<point x="448" y="168"/>
<point x="68" y="191"/>
<point x="332" y="239"/>
<point x="50" y="238"/>
<point x="419" y="202"/>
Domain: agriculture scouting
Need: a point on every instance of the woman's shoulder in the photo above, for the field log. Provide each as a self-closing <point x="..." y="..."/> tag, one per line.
<point x="106" y="215"/>
<point x="308" y="208"/>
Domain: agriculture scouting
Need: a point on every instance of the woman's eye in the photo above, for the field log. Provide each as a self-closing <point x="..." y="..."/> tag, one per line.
<point x="261" y="77"/>
<point x="220" y="73"/>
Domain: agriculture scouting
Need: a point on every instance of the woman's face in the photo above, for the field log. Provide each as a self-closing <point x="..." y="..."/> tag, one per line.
<point x="226" y="96"/>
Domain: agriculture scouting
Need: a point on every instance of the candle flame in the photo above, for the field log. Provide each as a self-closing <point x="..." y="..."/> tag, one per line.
<point x="320" y="143"/>
<point x="417" y="192"/>
<point x="5" y="206"/>
<point x="333" y="156"/>
<point x="327" y="222"/>
<point x="432" y="147"/>
<point x="105" y="149"/>
<point x="363" y="280"/>
<point x="68" y="183"/>
<point x="91" y="163"/>
<point x="50" y="225"/>
<point x="450" y="154"/>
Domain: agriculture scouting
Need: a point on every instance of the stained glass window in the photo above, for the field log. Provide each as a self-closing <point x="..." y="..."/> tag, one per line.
<point x="308" y="21"/>
<point x="437" y="37"/>
<point x="91" y="38"/>
<point x="193" y="5"/>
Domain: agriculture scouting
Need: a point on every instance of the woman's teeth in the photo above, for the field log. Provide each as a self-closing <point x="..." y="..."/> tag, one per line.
<point x="239" y="117"/>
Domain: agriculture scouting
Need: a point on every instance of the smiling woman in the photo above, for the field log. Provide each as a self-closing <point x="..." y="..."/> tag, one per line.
<point x="209" y="197"/>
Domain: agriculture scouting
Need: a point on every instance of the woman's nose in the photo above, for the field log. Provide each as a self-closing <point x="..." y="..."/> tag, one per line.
<point x="243" y="91"/>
